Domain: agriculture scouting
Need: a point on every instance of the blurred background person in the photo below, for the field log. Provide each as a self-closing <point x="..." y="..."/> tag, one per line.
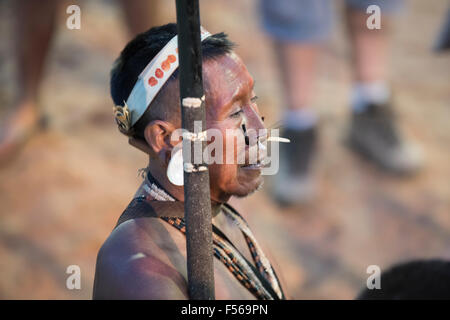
<point x="298" y="29"/>
<point x="35" y="25"/>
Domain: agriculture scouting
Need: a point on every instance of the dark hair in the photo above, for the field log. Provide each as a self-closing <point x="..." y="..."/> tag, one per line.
<point x="420" y="279"/>
<point x="135" y="57"/>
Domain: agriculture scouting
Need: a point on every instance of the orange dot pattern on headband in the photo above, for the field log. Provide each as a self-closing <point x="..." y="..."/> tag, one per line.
<point x="159" y="72"/>
<point x="171" y="58"/>
<point x="165" y="65"/>
<point x="152" y="81"/>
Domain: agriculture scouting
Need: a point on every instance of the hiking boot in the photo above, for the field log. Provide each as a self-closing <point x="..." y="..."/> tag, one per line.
<point x="373" y="133"/>
<point x="293" y="183"/>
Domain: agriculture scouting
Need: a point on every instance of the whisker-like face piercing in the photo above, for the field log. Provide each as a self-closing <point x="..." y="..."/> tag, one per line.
<point x="278" y="139"/>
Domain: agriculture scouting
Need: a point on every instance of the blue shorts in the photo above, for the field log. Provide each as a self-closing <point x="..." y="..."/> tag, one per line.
<point x="311" y="20"/>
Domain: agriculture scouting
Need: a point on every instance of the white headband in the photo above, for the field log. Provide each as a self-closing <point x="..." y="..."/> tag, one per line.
<point x="149" y="82"/>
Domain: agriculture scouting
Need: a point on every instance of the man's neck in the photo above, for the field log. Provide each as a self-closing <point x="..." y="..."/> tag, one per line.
<point x="159" y="175"/>
<point x="177" y="192"/>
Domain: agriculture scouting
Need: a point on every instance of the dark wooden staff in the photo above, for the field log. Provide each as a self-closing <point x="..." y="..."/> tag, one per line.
<point x="197" y="201"/>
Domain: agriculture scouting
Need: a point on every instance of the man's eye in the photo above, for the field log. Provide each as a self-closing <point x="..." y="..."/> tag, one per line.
<point x="253" y="100"/>
<point x="237" y="114"/>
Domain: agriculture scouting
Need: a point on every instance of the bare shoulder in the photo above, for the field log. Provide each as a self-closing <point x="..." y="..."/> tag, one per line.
<point x="141" y="259"/>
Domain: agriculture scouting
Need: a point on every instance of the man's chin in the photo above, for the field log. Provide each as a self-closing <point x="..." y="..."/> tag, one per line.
<point x="247" y="188"/>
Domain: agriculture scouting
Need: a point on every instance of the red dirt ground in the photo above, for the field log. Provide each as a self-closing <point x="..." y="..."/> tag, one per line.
<point x="62" y="196"/>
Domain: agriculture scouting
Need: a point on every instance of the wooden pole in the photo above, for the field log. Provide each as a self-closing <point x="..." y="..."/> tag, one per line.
<point x="197" y="201"/>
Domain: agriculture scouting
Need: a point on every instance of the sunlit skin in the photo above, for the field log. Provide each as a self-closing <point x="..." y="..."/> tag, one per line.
<point x="228" y="93"/>
<point x="146" y="258"/>
<point x="227" y="108"/>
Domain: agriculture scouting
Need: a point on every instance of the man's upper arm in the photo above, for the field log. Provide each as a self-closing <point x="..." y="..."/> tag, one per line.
<point x="141" y="279"/>
<point x="142" y="274"/>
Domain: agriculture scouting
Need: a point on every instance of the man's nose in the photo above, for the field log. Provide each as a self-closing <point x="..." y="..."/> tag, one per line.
<point x="255" y="126"/>
<point x="254" y="120"/>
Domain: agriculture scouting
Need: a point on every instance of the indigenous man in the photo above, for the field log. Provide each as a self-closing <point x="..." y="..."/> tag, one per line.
<point x="145" y="255"/>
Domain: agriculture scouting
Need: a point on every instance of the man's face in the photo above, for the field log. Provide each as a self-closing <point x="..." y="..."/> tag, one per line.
<point x="229" y="104"/>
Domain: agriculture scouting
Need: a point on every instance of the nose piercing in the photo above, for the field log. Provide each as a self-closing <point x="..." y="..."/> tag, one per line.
<point x="247" y="139"/>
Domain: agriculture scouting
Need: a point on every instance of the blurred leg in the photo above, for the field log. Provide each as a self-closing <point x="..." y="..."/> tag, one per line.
<point x="294" y="183"/>
<point x="298" y="27"/>
<point x="140" y="15"/>
<point x="34" y="27"/>
<point x="374" y="131"/>
<point x="298" y="66"/>
<point x="370" y="47"/>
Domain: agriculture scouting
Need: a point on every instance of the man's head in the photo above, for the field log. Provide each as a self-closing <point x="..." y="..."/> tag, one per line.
<point x="229" y="102"/>
<point x="417" y="279"/>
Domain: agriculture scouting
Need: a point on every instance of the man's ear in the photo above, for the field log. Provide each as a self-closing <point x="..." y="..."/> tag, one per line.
<point x="157" y="135"/>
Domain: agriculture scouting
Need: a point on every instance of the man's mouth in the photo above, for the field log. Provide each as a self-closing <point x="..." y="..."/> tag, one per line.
<point x="260" y="164"/>
<point x="252" y="166"/>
